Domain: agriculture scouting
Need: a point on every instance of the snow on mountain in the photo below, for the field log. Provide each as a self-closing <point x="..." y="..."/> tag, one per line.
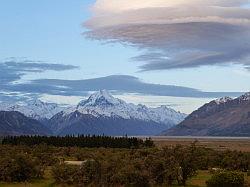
<point x="223" y="100"/>
<point x="99" y="104"/>
<point x="35" y="109"/>
<point x="101" y="98"/>
<point x="102" y="103"/>
<point x="221" y="117"/>
<point x="245" y="97"/>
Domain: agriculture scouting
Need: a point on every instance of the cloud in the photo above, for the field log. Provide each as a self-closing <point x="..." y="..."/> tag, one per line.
<point x="12" y="69"/>
<point x="26" y="65"/>
<point x="116" y="83"/>
<point x="16" y="97"/>
<point x="176" y="34"/>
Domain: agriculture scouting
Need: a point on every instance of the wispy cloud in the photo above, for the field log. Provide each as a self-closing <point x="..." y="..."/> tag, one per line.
<point x="27" y="65"/>
<point x="12" y="69"/>
<point x="176" y="34"/>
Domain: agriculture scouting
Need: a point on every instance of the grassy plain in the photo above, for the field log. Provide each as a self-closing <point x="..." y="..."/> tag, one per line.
<point x="239" y="144"/>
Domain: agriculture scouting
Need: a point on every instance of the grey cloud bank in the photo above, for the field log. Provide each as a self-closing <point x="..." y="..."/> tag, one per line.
<point x="116" y="83"/>
<point x="176" y="34"/>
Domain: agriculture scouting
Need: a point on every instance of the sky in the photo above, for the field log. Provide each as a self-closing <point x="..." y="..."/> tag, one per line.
<point x="174" y="52"/>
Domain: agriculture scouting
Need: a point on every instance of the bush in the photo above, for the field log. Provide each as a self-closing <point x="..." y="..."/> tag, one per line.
<point x="19" y="168"/>
<point x="87" y="174"/>
<point x="64" y="174"/>
<point x="130" y="178"/>
<point x="226" y="179"/>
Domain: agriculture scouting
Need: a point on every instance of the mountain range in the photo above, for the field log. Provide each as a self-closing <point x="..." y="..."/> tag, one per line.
<point x="221" y="117"/>
<point x="101" y="113"/>
<point x="35" y="109"/>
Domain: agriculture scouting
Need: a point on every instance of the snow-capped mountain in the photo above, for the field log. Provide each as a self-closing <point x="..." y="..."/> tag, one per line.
<point x="221" y="117"/>
<point x="101" y="113"/>
<point x="101" y="109"/>
<point x="102" y="103"/>
<point x="35" y="109"/>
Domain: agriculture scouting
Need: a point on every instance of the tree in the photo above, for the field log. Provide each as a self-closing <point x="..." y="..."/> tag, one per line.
<point x="187" y="160"/>
<point x="148" y="142"/>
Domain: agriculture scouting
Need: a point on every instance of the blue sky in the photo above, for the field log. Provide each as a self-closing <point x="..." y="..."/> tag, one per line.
<point x="52" y="32"/>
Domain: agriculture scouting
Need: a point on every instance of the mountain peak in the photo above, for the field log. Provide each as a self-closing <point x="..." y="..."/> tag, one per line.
<point x="223" y="100"/>
<point x="100" y="98"/>
<point x="36" y="102"/>
<point x="245" y="97"/>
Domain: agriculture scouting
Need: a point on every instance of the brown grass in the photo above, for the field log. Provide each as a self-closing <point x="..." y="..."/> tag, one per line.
<point x="217" y="144"/>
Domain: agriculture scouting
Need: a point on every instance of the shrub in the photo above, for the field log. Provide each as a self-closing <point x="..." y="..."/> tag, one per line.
<point x="87" y="174"/>
<point x="19" y="168"/>
<point x="130" y="178"/>
<point x="226" y="179"/>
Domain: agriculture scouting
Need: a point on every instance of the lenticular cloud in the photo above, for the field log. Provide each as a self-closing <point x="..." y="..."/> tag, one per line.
<point x="176" y="33"/>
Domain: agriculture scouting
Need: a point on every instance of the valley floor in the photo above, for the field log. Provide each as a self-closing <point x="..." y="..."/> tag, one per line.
<point x="217" y="143"/>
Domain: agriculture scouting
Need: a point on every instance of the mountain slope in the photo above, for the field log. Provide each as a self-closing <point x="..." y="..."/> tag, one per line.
<point x="15" y="123"/>
<point x="102" y="113"/>
<point x="78" y="123"/>
<point x="222" y="117"/>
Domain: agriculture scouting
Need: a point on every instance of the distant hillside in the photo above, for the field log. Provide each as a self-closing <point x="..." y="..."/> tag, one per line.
<point x="222" y="117"/>
<point x="15" y="123"/>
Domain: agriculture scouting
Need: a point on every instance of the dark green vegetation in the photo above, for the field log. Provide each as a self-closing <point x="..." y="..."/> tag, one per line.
<point x="115" y="166"/>
<point x="79" y="141"/>
<point x="167" y="166"/>
<point x="226" y="179"/>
